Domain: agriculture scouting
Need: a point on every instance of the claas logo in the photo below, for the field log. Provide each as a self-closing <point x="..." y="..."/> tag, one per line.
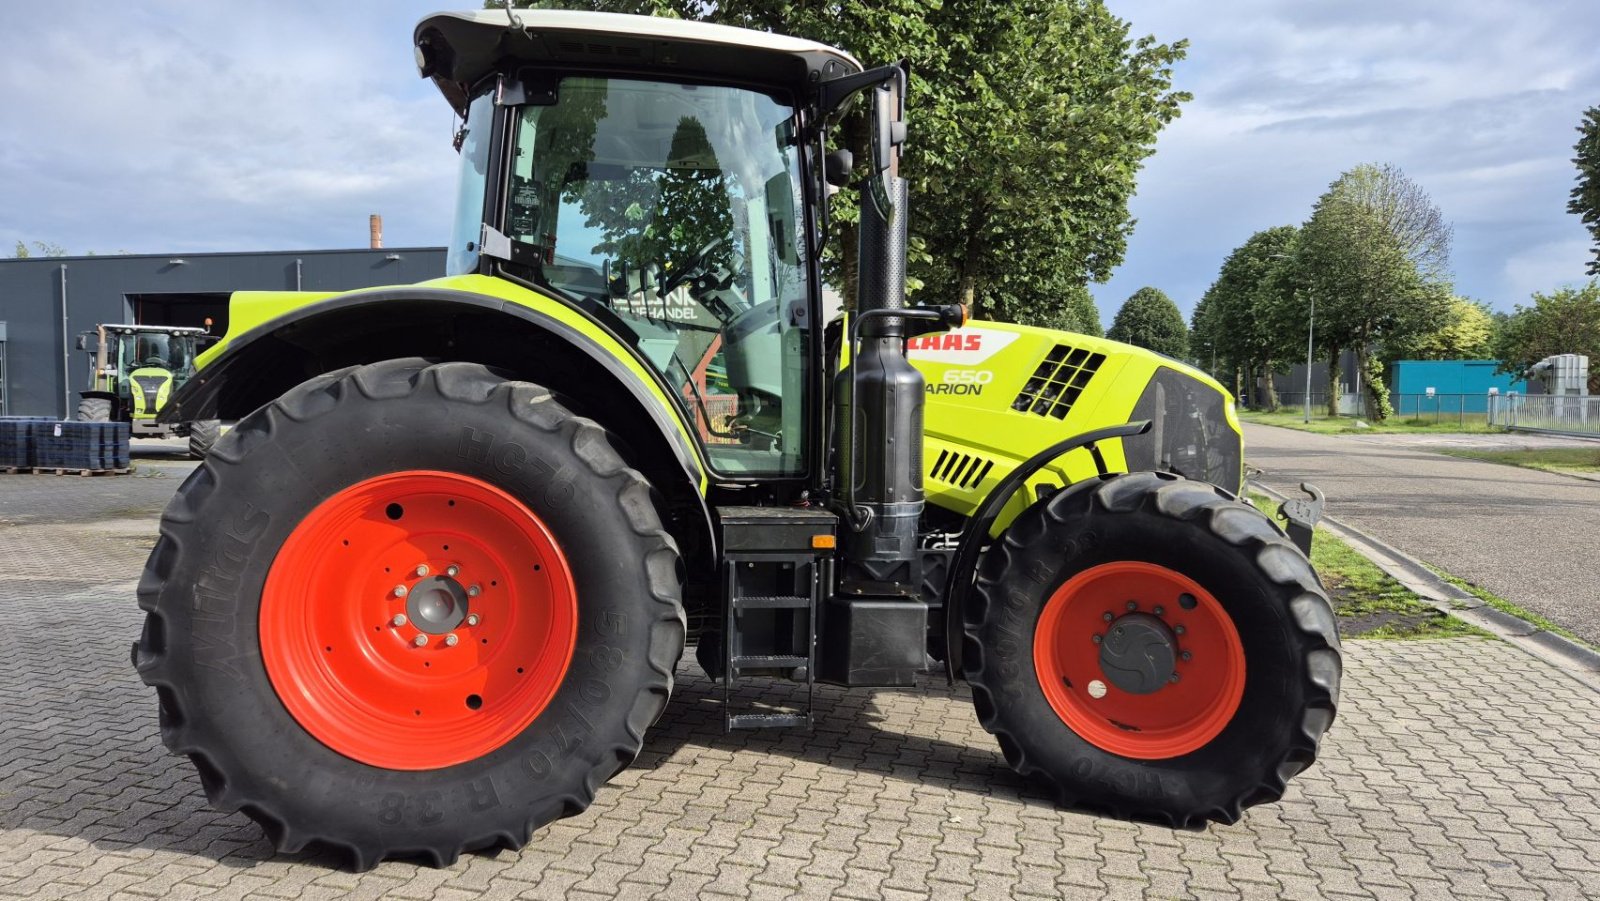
<point x="947" y="341"/>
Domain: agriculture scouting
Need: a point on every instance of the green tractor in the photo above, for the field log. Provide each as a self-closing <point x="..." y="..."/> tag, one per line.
<point x="431" y="593"/>
<point x="137" y="370"/>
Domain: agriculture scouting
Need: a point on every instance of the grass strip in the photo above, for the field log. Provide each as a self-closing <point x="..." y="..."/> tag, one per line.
<point x="1549" y="459"/>
<point x="1366" y="600"/>
<point x="1323" y="424"/>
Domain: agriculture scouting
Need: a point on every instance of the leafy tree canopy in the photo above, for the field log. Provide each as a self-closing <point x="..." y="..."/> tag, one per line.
<point x="1467" y="334"/>
<point x="1375" y="254"/>
<point x="40" y="248"/>
<point x="1150" y="319"/>
<point x="1029" y="121"/>
<point x="1586" y="196"/>
<point x="1251" y="312"/>
<point x="1565" y="321"/>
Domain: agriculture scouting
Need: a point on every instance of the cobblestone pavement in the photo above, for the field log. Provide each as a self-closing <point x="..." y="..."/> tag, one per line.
<point x="1457" y="768"/>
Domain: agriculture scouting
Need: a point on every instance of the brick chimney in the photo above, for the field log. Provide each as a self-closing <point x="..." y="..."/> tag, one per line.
<point x="375" y="230"/>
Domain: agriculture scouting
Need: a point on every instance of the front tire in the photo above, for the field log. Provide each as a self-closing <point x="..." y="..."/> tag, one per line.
<point x="1152" y="648"/>
<point x="203" y="435"/>
<point x="94" y="409"/>
<point x="285" y="653"/>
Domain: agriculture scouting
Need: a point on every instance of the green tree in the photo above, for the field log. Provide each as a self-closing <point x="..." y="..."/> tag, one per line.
<point x="1150" y="319"/>
<point x="1248" y="313"/>
<point x="1585" y="200"/>
<point x="1468" y="334"/>
<point x="1374" y="255"/>
<point x="40" y="248"/>
<point x="1073" y="311"/>
<point x="1029" y="123"/>
<point x="1565" y="321"/>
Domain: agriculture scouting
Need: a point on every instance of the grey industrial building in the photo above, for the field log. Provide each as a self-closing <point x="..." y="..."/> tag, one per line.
<point x="46" y="302"/>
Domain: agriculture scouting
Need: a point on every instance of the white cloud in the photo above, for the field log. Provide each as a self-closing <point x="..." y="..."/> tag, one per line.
<point x="1476" y="100"/>
<point x="220" y="126"/>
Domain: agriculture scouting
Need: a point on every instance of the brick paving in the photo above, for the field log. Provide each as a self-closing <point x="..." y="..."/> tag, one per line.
<point x="1459" y="768"/>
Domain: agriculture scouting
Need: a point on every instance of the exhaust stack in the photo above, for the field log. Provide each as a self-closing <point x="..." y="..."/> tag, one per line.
<point x="880" y="393"/>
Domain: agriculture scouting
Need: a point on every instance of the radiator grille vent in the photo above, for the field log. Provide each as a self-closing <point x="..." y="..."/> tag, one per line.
<point x="961" y="470"/>
<point x="1056" y="384"/>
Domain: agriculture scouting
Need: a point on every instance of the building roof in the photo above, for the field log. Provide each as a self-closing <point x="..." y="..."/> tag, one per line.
<point x="457" y="49"/>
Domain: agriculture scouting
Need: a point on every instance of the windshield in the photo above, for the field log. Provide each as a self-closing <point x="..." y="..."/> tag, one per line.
<point x="461" y="257"/>
<point x="676" y="208"/>
<point x="155" y="349"/>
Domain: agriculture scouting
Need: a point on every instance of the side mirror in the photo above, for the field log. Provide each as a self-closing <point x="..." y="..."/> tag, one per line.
<point x="837" y="166"/>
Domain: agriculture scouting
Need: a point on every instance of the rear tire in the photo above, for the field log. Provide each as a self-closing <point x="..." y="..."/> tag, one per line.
<point x="202" y="435"/>
<point x="219" y="637"/>
<point x="94" y="409"/>
<point x="1262" y="680"/>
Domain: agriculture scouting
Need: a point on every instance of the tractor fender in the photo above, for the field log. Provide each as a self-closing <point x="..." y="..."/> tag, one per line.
<point x="964" y="566"/>
<point x="445" y="324"/>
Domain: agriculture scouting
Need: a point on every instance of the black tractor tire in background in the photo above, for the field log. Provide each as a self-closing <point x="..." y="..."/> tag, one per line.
<point x="202" y="590"/>
<point x="1268" y="589"/>
<point x="94" y="409"/>
<point x="202" y="435"/>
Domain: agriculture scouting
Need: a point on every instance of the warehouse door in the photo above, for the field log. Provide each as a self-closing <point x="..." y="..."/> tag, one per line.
<point x="181" y="309"/>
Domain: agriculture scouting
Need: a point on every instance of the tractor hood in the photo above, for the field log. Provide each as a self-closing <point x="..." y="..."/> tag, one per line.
<point x="458" y="49"/>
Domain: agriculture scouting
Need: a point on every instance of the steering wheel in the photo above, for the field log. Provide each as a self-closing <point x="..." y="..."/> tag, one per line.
<point x="695" y="264"/>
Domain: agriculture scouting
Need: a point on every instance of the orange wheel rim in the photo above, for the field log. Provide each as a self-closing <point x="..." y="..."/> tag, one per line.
<point x="418" y="620"/>
<point x="1102" y="647"/>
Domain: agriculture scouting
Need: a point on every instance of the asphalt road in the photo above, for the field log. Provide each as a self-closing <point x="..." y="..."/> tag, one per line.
<point x="1531" y="537"/>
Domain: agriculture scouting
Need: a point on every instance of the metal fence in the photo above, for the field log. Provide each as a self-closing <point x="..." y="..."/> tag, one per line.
<point x="1458" y="408"/>
<point x="1546" y="413"/>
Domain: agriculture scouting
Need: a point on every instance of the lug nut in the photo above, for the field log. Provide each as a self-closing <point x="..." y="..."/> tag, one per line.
<point x="399" y="620"/>
<point x="450" y="640"/>
<point x="399" y="591"/>
<point x="1133" y="605"/>
<point x="1179" y="630"/>
<point x="474" y="591"/>
<point x="422" y="570"/>
<point x="472" y="619"/>
<point x="452" y="570"/>
<point x="420" y="641"/>
<point x="1096" y="639"/>
<point x="1161" y="611"/>
<point x="1187" y="655"/>
<point x="1107" y="616"/>
<point x="1173" y="678"/>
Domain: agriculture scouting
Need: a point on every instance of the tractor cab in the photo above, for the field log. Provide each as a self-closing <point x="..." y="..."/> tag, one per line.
<point x="662" y="179"/>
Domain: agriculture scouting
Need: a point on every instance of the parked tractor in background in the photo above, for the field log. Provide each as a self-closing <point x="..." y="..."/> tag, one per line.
<point x="136" y="371"/>
<point x="431" y="593"/>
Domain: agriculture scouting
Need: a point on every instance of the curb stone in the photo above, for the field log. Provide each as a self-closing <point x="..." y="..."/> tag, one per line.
<point x="1576" y="660"/>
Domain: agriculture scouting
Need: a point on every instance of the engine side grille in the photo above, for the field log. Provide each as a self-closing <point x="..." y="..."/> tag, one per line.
<point x="960" y="470"/>
<point x="1056" y="384"/>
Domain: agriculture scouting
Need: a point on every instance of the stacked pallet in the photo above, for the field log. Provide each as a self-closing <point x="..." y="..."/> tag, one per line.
<point x="39" y="444"/>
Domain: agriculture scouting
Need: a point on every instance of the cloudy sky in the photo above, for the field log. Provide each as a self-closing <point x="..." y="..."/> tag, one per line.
<point x="184" y="126"/>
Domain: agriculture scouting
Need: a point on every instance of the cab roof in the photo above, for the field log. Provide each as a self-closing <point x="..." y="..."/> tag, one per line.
<point x="458" y="49"/>
<point x="126" y="329"/>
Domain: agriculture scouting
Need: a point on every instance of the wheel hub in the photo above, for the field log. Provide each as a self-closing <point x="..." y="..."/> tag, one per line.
<point x="437" y="605"/>
<point x="1139" y="653"/>
<point x="1139" y="660"/>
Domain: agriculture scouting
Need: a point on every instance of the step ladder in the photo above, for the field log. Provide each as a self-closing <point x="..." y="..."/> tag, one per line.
<point x="776" y="564"/>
